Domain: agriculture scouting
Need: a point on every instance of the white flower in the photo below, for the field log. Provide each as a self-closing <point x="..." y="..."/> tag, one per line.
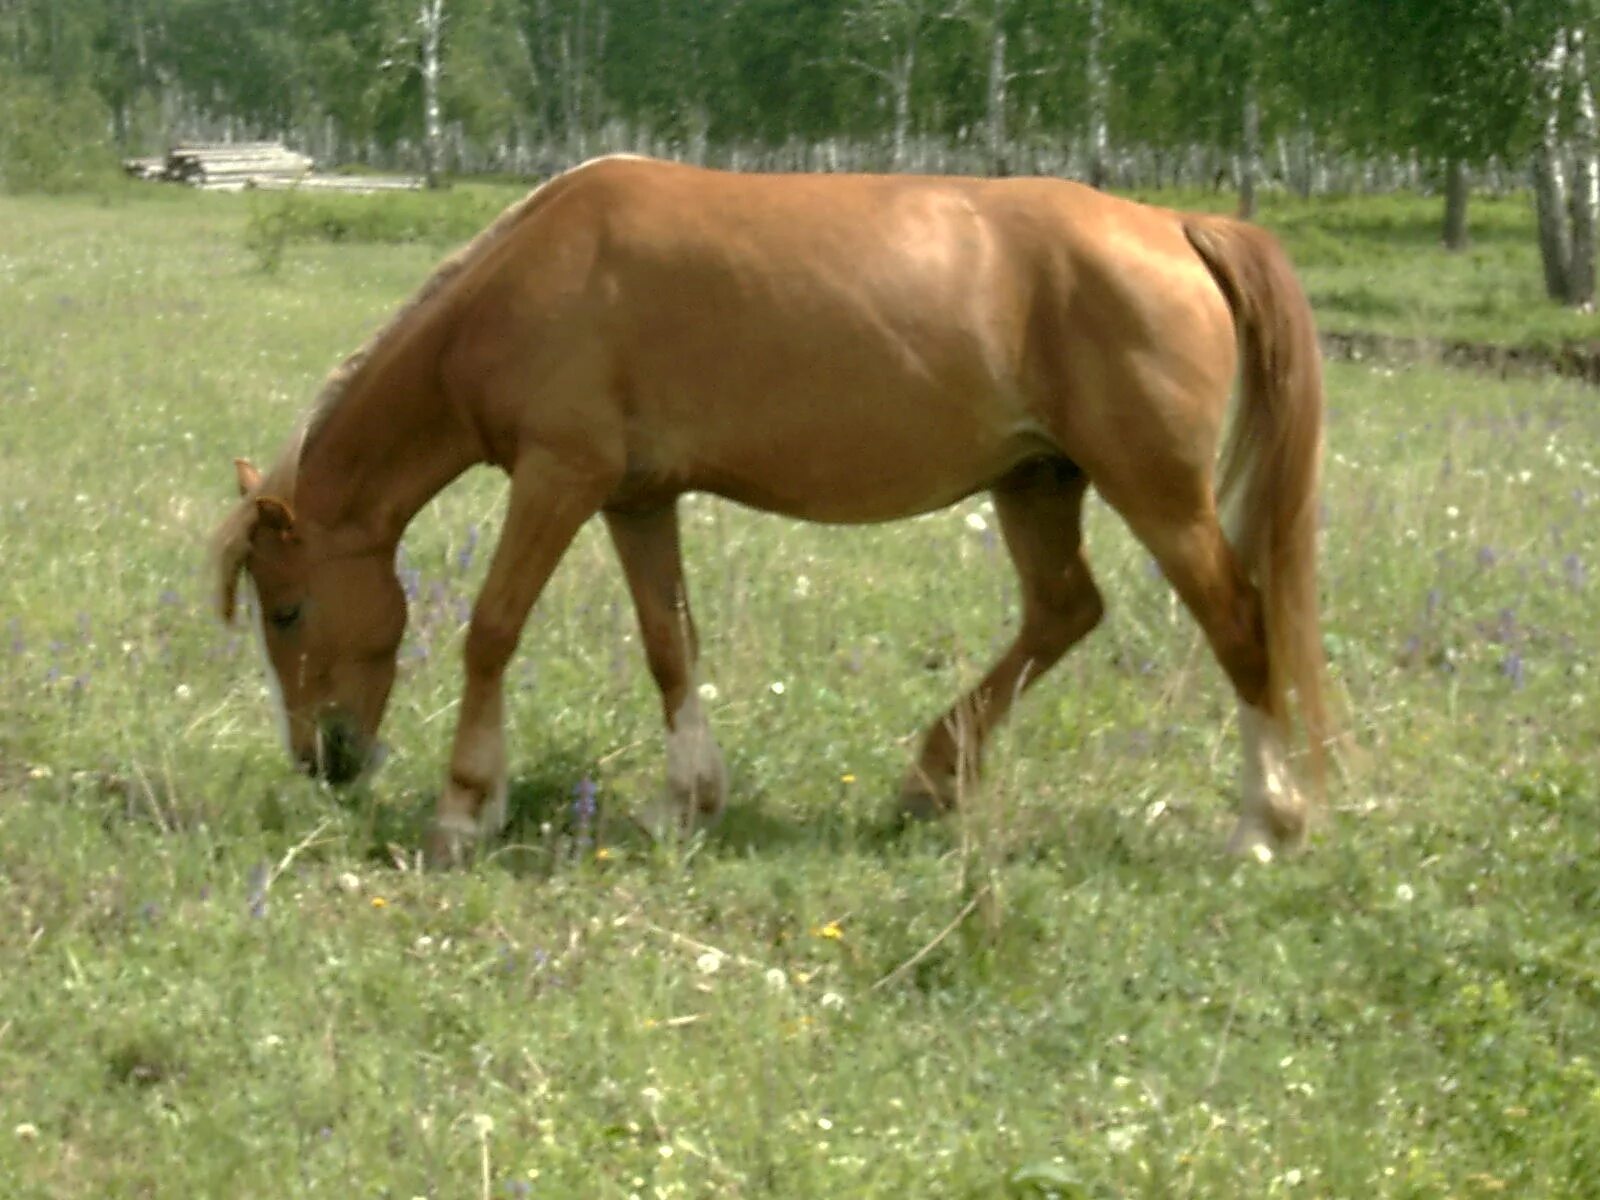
<point x="802" y="586"/>
<point x="1404" y="894"/>
<point x="776" y="979"/>
<point x="824" y="1124"/>
<point x="27" y="1131"/>
<point x="708" y="692"/>
<point x="976" y="523"/>
<point x="349" y="881"/>
<point x="483" y="1124"/>
<point x="776" y="687"/>
<point x="182" y="691"/>
<point x="1262" y="852"/>
<point x="832" y="1001"/>
<point x="709" y="963"/>
<point x="1452" y="512"/>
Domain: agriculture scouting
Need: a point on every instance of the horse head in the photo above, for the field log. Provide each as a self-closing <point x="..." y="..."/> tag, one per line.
<point x="330" y="617"/>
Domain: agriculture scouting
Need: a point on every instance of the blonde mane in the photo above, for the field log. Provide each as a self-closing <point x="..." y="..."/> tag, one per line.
<point x="339" y="381"/>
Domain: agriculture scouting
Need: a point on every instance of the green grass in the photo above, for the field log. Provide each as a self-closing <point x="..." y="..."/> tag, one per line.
<point x="217" y="979"/>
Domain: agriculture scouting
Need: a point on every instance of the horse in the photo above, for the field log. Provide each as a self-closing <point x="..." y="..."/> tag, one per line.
<point x="833" y="348"/>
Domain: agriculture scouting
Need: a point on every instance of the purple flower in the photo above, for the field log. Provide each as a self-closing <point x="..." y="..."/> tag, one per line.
<point x="1573" y="565"/>
<point x="1511" y="667"/>
<point x="584" y="808"/>
<point x="464" y="557"/>
<point x="1487" y="557"/>
<point x="256" y="890"/>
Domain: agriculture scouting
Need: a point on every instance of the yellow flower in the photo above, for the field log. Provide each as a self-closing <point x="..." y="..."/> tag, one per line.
<point x="831" y="931"/>
<point x="847" y="777"/>
<point x="379" y="902"/>
<point x="604" y="854"/>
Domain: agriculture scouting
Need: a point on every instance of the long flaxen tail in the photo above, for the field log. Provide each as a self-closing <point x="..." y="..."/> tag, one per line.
<point x="1272" y="463"/>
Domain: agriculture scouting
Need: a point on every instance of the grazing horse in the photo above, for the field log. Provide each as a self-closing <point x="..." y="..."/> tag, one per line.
<point x="836" y="348"/>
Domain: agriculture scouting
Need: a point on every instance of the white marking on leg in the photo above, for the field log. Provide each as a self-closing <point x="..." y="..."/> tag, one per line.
<point x="1271" y="809"/>
<point x="696" y="775"/>
<point x="274" y="688"/>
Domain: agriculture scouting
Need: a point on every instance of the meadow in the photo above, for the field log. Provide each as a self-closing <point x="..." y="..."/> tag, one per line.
<point x="219" y="979"/>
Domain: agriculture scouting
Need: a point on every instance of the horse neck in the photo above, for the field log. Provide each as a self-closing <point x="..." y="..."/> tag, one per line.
<point x="392" y="442"/>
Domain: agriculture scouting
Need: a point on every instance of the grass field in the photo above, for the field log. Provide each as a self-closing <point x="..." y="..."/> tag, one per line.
<point x="217" y="979"/>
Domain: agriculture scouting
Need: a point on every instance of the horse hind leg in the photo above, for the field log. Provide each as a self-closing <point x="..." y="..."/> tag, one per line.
<point x="648" y="547"/>
<point x="1040" y="510"/>
<point x="1206" y="573"/>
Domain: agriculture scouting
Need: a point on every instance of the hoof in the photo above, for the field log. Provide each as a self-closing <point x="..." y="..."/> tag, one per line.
<point x="454" y="839"/>
<point x="450" y="842"/>
<point x="697" y="777"/>
<point x="925" y="797"/>
<point x="1265" y="837"/>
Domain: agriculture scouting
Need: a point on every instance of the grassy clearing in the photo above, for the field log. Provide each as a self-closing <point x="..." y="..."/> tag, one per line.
<point x="219" y="980"/>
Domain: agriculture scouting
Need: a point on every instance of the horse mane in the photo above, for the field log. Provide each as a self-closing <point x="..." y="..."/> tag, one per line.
<point x="336" y="386"/>
<point x="230" y="544"/>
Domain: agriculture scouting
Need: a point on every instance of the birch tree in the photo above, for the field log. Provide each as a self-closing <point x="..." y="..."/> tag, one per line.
<point x="430" y="33"/>
<point x="883" y="39"/>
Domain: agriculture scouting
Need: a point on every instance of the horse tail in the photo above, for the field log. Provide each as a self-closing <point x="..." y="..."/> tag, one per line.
<point x="1272" y="461"/>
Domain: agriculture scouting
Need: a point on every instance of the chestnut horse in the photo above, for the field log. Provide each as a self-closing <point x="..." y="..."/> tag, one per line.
<point x="834" y="348"/>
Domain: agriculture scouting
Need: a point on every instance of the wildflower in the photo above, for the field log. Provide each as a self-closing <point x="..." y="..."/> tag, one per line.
<point x="1404" y="893"/>
<point x="604" y="854"/>
<point x="777" y="980"/>
<point x="1452" y="512"/>
<point x="256" y="890"/>
<point x="1511" y="667"/>
<point x="584" y="808"/>
<point x="777" y="687"/>
<point x="182" y="691"/>
<point x="349" y="881"/>
<point x="847" y="777"/>
<point x="824" y="1124"/>
<point x="40" y="772"/>
<point x="976" y="523"/>
<point x="483" y="1124"/>
<point x="831" y="931"/>
<point x="709" y="963"/>
<point x="802" y="586"/>
<point x="832" y="1001"/>
<point x="379" y="902"/>
<point x="708" y="692"/>
<point x="464" y="558"/>
<point x="27" y="1131"/>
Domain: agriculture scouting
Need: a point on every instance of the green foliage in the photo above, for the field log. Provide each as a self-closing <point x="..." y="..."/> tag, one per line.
<point x="438" y="218"/>
<point x="50" y="140"/>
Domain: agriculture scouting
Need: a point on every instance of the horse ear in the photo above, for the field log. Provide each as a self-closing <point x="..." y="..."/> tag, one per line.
<point x="274" y="514"/>
<point x="249" y="477"/>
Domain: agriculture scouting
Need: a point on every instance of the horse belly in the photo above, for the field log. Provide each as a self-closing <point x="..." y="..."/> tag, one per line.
<point x="847" y="457"/>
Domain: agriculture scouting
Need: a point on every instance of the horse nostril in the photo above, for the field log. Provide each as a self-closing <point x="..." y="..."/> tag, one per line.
<point x="341" y="755"/>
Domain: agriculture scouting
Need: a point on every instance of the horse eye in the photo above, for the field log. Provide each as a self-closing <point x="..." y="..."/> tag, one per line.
<point x="283" y="619"/>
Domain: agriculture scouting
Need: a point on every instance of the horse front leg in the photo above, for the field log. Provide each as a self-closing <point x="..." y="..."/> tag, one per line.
<point x="549" y="504"/>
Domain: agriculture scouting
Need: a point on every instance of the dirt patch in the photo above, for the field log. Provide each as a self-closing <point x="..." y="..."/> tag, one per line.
<point x="1572" y="360"/>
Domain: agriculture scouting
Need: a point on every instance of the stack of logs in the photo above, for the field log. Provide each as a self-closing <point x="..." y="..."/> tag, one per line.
<point x="234" y="166"/>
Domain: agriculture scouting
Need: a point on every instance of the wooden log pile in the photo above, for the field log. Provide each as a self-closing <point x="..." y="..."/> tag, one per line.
<point x="234" y="166"/>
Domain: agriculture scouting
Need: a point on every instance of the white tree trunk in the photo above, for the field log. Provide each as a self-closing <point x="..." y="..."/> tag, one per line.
<point x="995" y="116"/>
<point x="1249" y="150"/>
<point x="1585" y="181"/>
<point x="901" y="83"/>
<point x="1550" y="176"/>
<point x="430" y="21"/>
<point x="1099" y="135"/>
